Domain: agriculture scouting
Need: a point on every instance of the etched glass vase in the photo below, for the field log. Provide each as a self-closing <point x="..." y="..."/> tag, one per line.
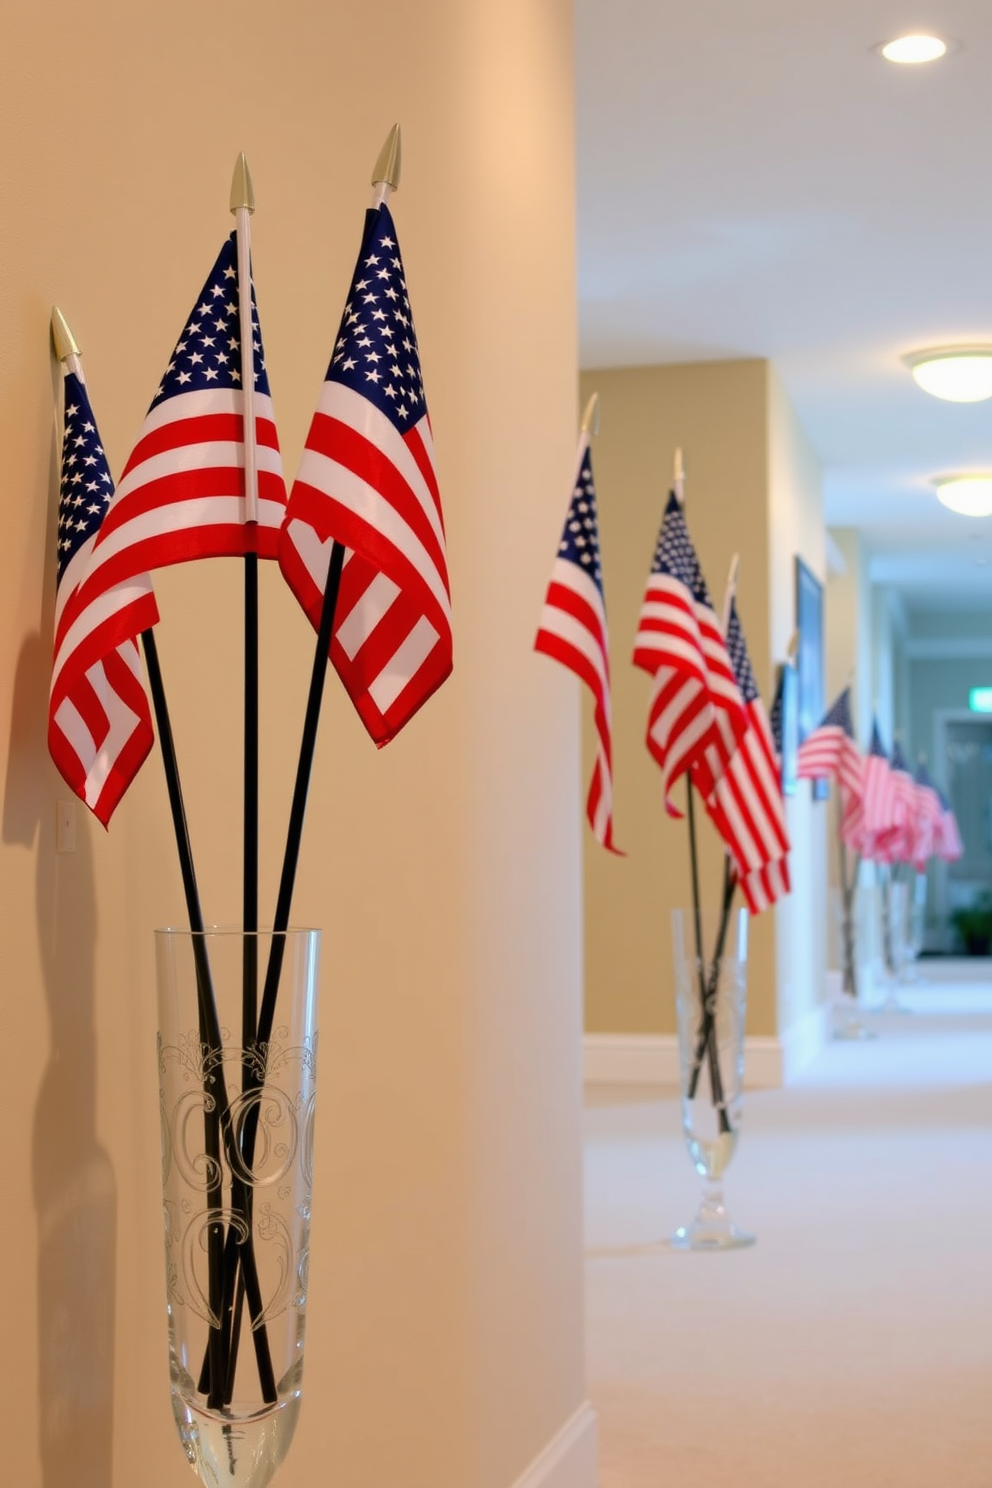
<point x="710" y="1000"/>
<point x="237" y="1048"/>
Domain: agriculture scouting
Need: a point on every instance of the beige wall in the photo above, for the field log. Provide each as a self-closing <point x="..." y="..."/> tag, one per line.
<point x="445" y="1344"/>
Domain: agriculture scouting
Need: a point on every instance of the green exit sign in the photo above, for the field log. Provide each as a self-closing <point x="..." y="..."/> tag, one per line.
<point x="980" y="700"/>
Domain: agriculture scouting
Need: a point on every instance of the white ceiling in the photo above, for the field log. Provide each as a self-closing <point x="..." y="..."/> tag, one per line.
<point x="754" y="180"/>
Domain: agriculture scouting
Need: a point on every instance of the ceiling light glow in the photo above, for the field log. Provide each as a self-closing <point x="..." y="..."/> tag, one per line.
<point x="914" y="49"/>
<point x="970" y="495"/>
<point x="961" y="374"/>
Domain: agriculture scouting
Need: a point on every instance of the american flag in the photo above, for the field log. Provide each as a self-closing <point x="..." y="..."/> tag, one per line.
<point x="573" y="631"/>
<point x="926" y="822"/>
<point x="830" y="752"/>
<point x="99" y="723"/>
<point x="367" y="481"/>
<point x="747" y="804"/>
<point x="696" y="717"/>
<point x="896" y="844"/>
<point x="182" y="492"/>
<point x="877" y="797"/>
<point x="948" y="844"/>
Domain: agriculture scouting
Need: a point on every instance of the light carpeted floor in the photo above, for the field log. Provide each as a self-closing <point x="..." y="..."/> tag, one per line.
<point x="852" y="1346"/>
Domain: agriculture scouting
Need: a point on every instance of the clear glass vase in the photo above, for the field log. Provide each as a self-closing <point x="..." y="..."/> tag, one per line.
<point x="237" y="1049"/>
<point x="710" y="999"/>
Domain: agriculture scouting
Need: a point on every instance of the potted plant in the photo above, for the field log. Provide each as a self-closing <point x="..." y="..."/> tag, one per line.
<point x="973" y="926"/>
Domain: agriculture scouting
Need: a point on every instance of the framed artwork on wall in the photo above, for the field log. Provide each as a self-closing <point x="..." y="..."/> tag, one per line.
<point x="809" y="659"/>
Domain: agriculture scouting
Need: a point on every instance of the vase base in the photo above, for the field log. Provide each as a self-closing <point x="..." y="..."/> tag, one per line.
<point x="854" y="1029"/>
<point x="696" y="1237"/>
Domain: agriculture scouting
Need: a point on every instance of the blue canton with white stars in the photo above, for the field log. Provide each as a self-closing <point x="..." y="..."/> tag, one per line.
<point x="739" y="659"/>
<point x="877" y="747"/>
<point x="208" y="353"/>
<point x="376" y="352"/>
<point x="898" y="758"/>
<point x="775" y="718"/>
<point x="923" y="776"/>
<point x="580" y="537"/>
<point x="674" y="555"/>
<point x="86" y="485"/>
<point x="838" y="715"/>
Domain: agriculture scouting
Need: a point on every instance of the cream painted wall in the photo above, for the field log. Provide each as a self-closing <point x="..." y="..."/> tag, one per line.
<point x="716" y="411"/>
<point x="795" y="526"/>
<point x="445" y="1343"/>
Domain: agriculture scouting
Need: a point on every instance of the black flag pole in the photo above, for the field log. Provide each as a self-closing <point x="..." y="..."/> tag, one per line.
<point x="385" y="179"/>
<point x="707" y="1001"/>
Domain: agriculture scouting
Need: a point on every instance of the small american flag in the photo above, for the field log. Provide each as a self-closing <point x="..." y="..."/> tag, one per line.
<point x="830" y="751"/>
<point x="747" y="805"/>
<point x="895" y="845"/>
<point x="696" y="717"/>
<point x="948" y="844"/>
<point x="877" y="797"/>
<point x="182" y="493"/>
<point x="367" y="481"/>
<point x="99" y="723"/>
<point x="573" y="631"/>
<point x="926" y="822"/>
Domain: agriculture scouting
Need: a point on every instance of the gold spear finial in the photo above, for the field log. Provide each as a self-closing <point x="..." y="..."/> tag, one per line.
<point x="792" y="649"/>
<point x="387" y="167"/>
<point x="590" y="419"/>
<point x="678" y="476"/>
<point x="65" y="341"/>
<point x="735" y="570"/>
<point x="242" y="191"/>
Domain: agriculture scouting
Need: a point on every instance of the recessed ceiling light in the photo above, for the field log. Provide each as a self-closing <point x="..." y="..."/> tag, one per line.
<point x="914" y="49"/>
<point x="971" y="495"/>
<point x="961" y="374"/>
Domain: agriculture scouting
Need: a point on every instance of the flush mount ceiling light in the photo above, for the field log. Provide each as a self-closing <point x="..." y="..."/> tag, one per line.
<point x="971" y="495"/>
<point x="910" y="50"/>
<point x="961" y="374"/>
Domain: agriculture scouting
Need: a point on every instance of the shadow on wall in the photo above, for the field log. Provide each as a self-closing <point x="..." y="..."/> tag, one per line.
<point x="75" y="1191"/>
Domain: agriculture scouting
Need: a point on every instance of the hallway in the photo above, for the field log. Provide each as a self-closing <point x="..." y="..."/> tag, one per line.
<point x="853" y="1344"/>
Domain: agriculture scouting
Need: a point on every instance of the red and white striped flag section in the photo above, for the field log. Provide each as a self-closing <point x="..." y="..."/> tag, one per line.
<point x="895" y="843"/>
<point x="99" y="721"/>
<point x="947" y="843"/>
<point x="926" y="823"/>
<point x="367" y="481"/>
<point x="831" y="753"/>
<point x="696" y="716"/>
<point x="573" y="631"/>
<point x="746" y="805"/>
<point x="182" y="493"/>
<point x="877" y="798"/>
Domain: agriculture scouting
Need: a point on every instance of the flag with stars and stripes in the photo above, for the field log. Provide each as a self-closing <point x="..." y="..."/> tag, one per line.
<point x="182" y="492"/>
<point x="99" y="723"/>
<point x="878" y="798"/>
<point x="746" y="804"/>
<point x="925" y="825"/>
<point x="367" y="481"/>
<point x="572" y="630"/>
<point x="947" y="840"/>
<point x="696" y="717"/>
<point x="830" y="751"/>
<point x="895" y="843"/>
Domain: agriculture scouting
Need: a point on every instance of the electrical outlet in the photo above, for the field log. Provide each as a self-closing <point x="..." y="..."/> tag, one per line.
<point x="65" y="826"/>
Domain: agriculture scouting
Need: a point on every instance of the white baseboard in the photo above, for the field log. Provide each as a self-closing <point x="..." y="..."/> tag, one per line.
<point x="570" y="1459"/>
<point x="653" y="1058"/>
